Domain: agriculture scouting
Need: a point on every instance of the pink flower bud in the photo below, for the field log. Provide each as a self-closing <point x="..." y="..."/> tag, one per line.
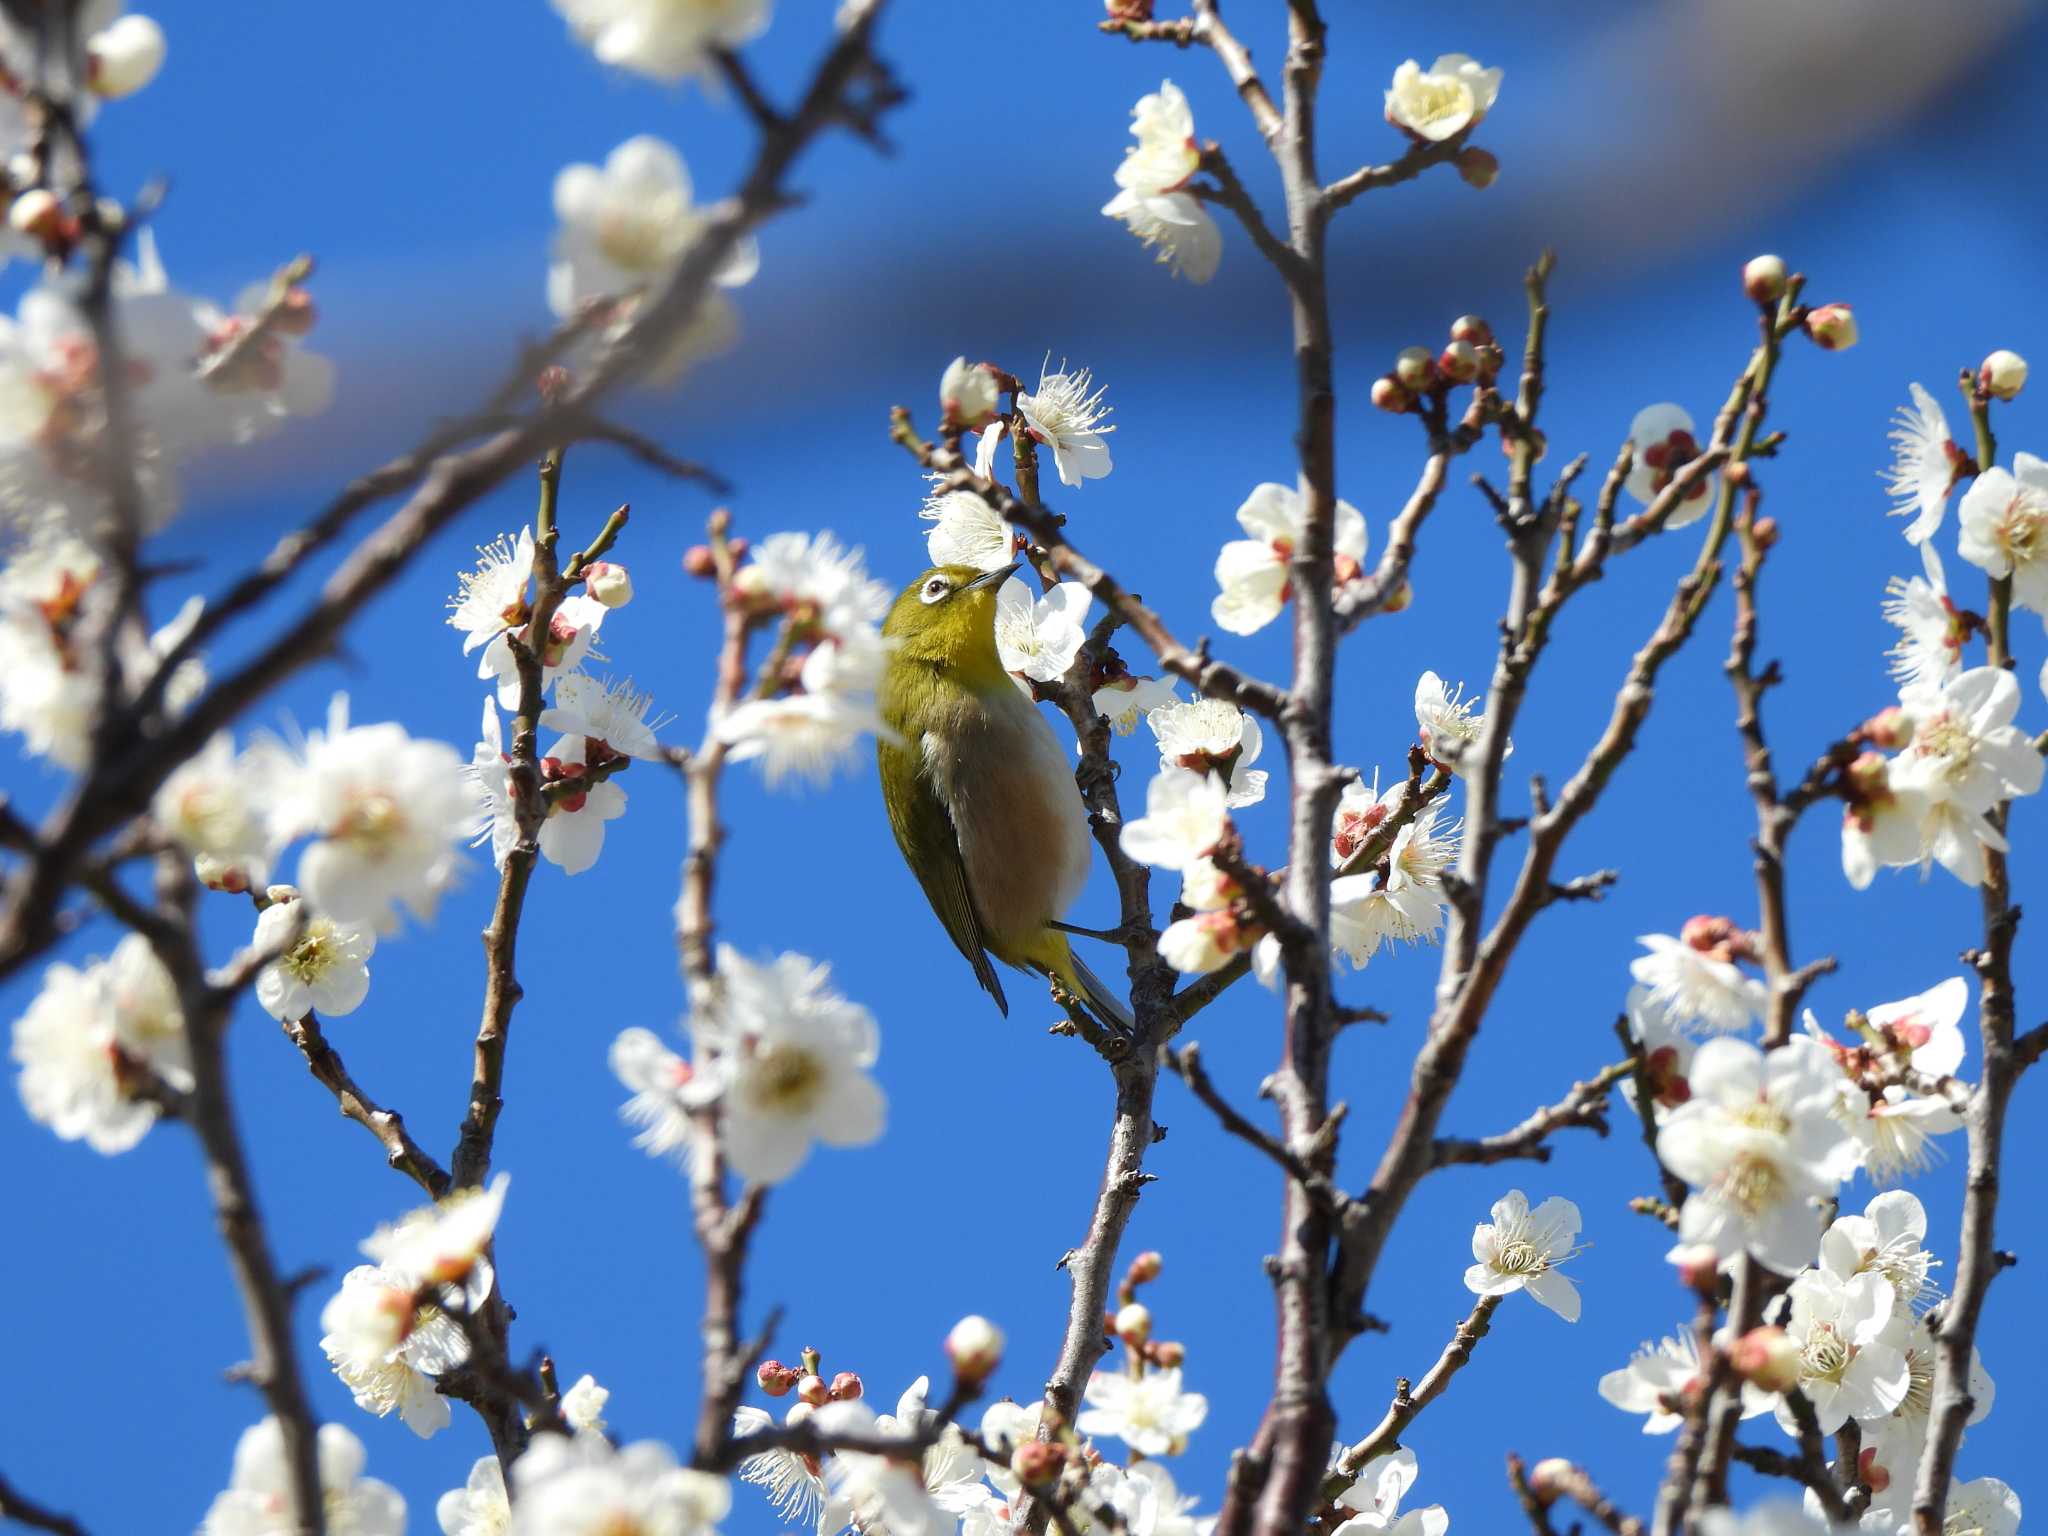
<point x="1167" y="1354"/>
<point x="1459" y="362"/>
<point x="1698" y="1266"/>
<point x="1764" y="531"/>
<point x="296" y="313"/>
<point x="1470" y="328"/>
<point x="220" y="874"/>
<point x="1547" y="1479"/>
<point x="967" y="394"/>
<point x="1890" y="728"/>
<point x="1128" y="10"/>
<point x="608" y="583"/>
<point x="1873" y="1476"/>
<point x="846" y="1387"/>
<point x="1389" y="394"/>
<point x="1478" y="166"/>
<point x="698" y="561"/>
<point x="1415" y="369"/>
<point x="1767" y="1357"/>
<point x="1134" y="1322"/>
<point x="1763" y="278"/>
<point x="812" y="1390"/>
<point x="1832" y="327"/>
<point x="1036" y="1463"/>
<point x="774" y="1378"/>
<point x="2002" y="375"/>
<point x="975" y="1347"/>
<point x="1145" y="1268"/>
<point x="38" y="214"/>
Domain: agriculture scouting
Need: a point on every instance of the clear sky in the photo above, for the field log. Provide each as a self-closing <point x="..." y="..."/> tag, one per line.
<point x="411" y="149"/>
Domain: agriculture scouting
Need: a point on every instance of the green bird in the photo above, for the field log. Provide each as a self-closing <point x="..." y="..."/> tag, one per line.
<point x="981" y="795"/>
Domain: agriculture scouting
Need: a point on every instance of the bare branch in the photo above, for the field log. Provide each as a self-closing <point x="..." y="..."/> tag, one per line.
<point x="1584" y="1106"/>
<point x="1409" y="1401"/>
<point x="1187" y="1066"/>
<point x="22" y="1510"/>
<point x="400" y="1150"/>
<point x="1418" y="157"/>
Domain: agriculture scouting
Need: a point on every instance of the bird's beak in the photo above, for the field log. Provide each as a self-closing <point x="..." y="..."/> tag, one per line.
<point x="993" y="578"/>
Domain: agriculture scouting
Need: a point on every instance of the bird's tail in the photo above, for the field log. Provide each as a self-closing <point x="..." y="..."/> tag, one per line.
<point x="1066" y="968"/>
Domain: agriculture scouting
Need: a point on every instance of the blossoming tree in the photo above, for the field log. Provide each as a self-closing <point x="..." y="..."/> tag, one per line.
<point x="1815" y="1301"/>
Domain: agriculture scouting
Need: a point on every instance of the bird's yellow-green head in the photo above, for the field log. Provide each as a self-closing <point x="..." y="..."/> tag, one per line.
<point x="947" y="618"/>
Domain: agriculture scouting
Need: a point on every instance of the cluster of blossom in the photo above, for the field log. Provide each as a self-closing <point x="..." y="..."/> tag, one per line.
<point x="785" y="1058"/>
<point x="660" y="39"/>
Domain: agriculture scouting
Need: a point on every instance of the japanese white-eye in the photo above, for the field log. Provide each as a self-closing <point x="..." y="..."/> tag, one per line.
<point x="980" y="793"/>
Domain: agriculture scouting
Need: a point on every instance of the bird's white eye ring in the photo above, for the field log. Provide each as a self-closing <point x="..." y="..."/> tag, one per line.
<point x="935" y="589"/>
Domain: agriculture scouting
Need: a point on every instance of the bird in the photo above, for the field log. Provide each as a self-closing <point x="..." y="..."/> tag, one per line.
<point x="980" y="793"/>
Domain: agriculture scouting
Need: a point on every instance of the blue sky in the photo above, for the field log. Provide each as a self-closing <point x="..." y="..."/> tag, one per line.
<point x="411" y="150"/>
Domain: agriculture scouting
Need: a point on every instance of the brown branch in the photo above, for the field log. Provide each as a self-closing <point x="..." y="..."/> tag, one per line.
<point x="1534" y="1507"/>
<point x="1360" y="600"/>
<point x="1571" y="1482"/>
<point x="1229" y="192"/>
<point x="1409" y="1401"/>
<point x="1585" y="1105"/>
<point x="22" y="1510"/>
<point x="1812" y="1462"/>
<point x="595" y="429"/>
<point x="400" y="1150"/>
<point x="1417" y="158"/>
<point x="1187" y="1066"/>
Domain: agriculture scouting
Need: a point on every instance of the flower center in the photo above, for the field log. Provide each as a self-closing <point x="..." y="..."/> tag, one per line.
<point x="371" y="819"/>
<point x="1825" y="1356"/>
<point x="1433" y="98"/>
<point x="1520" y="1257"/>
<point x="787" y="1079"/>
<point x="637" y="239"/>
<point x="1946" y="738"/>
<point x="314" y="955"/>
<point x="2023" y="531"/>
<point x="1752" y="1184"/>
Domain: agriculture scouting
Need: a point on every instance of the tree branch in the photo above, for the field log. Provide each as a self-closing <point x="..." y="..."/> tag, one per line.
<point x="22" y="1510"/>
<point x="388" y="1126"/>
<point x="1585" y="1105"/>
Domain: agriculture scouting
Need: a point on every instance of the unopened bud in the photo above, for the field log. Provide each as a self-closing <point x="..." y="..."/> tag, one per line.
<point x="774" y="1378"/>
<point x="975" y="1348"/>
<point x="967" y="392"/>
<point x="1145" y="1268"/>
<point x="1763" y="278"/>
<point x="1167" y="1354"/>
<point x="296" y="313"/>
<point x="37" y="213"/>
<point x="608" y="583"/>
<point x="1459" y="362"/>
<point x="697" y="561"/>
<point x="1389" y="394"/>
<point x="1036" y="1463"/>
<point x="1890" y="728"/>
<point x="1402" y="596"/>
<point x="1764" y="532"/>
<point x="1698" y="1266"/>
<point x="218" y="874"/>
<point x="1128" y="10"/>
<point x="1134" y="1322"/>
<point x="1869" y="1473"/>
<point x="125" y="57"/>
<point x="1547" y="1478"/>
<point x="1415" y="369"/>
<point x="276" y="895"/>
<point x="1490" y="360"/>
<point x="1768" y="1358"/>
<point x="2002" y="375"/>
<point x="1832" y="327"/>
<point x="1707" y="934"/>
<point x="1470" y="328"/>
<point x="551" y="383"/>
<point x="1478" y="166"/>
<point x="846" y="1387"/>
<point x="812" y="1390"/>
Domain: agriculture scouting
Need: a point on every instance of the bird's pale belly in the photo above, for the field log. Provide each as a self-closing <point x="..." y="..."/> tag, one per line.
<point x="1023" y="830"/>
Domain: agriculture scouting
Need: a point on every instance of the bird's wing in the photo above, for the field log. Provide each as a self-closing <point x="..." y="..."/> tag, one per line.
<point x="924" y="831"/>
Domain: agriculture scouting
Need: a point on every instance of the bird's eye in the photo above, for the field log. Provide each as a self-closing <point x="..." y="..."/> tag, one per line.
<point x="936" y="588"/>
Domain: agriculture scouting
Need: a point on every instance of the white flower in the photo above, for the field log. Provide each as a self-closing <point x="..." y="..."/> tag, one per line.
<point x="1004" y="1427"/>
<point x="967" y="397"/>
<point x="1894" y="1127"/>
<point x="1039" y="641"/>
<point x="387" y="1344"/>
<point x="1166" y="153"/>
<point x="1520" y="1249"/>
<point x="124" y="55"/>
<point x="1253" y="573"/>
<point x="442" y="1243"/>
<point x="496" y="812"/>
<point x="795" y="1489"/>
<point x="875" y="1492"/>
<point x="1847" y="1368"/>
<point x="1066" y="415"/>
<point x="1176" y="225"/>
<point x="1667" y="1054"/>
<point x="1926" y="463"/>
<point x="812" y="732"/>
<point x="1758" y="1145"/>
<point x="388" y="812"/>
<point x="660" y="38"/>
<point x="492" y="598"/>
<point x="966" y="531"/>
<point x="1929" y="650"/>
<point x="609" y="716"/>
<point x="1773" y="1517"/>
<point x="626" y="224"/>
<point x="1374" y="1498"/>
<point x="325" y="969"/>
<point x="1965" y="757"/>
<point x="1892" y="1444"/>
<point x="1197" y="945"/>
<point x="479" y="1507"/>
<point x="1884" y="820"/>
<point x="1447" y="726"/>
<point x="949" y="1469"/>
<point x="1663" y="440"/>
<point x="1157" y="1506"/>
<point x="571" y="633"/>
<point x="583" y="1406"/>
<point x="1185" y="817"/>
<point x="1440" y="103"/>
<point x="573" y="834"/>
<point x="1406" y="902"/>
<point x="1148" y="1413"/>
<point x="258" y="1498"/>
<point x="1885" y="1239"/>
<point x="270" y="378"/>
<point x="1927" y="1027"/>
<point x="792" y="1066"/>
<point x="1126" y="700"/>
<point x="1982" y="1507"/>
<point x="2005" y="528"/>
<point x="1215" y="737"/>
<point x="1656" y="1381"/>
<point x="212" y="806"/>
<point x="581" y="1486"/>
<point x="819" y="574"/>
<point x="663" y="1092"/>
<point x="1697" y="987"/>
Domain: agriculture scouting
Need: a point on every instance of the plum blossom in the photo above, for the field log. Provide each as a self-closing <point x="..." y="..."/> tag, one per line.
<point x="1446" y="724"/>
<point x="1177" y="226"/>
<point x="1984" y="1506"/>
<point x="1965" y="757"/>
<point x="1926" y="464"/>
<point x="1149" y="200"/>
<point x="1403" y="901"/>
<point x="578" y="808"/>
<point x="1039" y="641"/>
<point x="1520" y="1249"/>
<point x="1698" y="986"/>
<point x="1667" y="1054"/>
<point x="968" y="393"/>
<point x="1892" y="1126"/>
<point x="1253" y="573"/>
<point x="1773" y="1517"/>
<point x="792" y="1065"/>
<point x="1664" y="442"/>
<point x="1149" y="1413"/>
<point x="122" y="53"/>
<point x="659" y="38"/>
<point x="258" y="382"/>
<point x="323" y="965"/>
<point x="1154" y="1506"/>
<point x="2004" y="519"/>
<point x="610" y="718"/>
<point x="1886" y="1239"/>
<point x="583" y="1405"/>
<point x="966" y="531"/>
<point x="1125" y="700"/>
<point x="1892" y="1444"/>
<point x="387" y="809"/>
<point x="388" y="1343"/>
<point x="1186" y="815"/>
<point x="1656" y="1381"/>
<point x="1213" y="737"/>
<point x="479" y="1507"/>
<point x="1372" y="1501"/>
<point x="1441" y="102"/>
<point x="811" y="733"/>
<point x="1758" y="1144"/>
<point x="815" y="577"/>
<point x="582" y="1486"/>
<point x="1929" y="650"/>
<point x="258" y="1498"/>
<point x="493" y="598"/>
<point x="794" y="1485"/>
<point x="442" y="1243"/>
<point x="1848" y="1368"/>
<point x="1884" y="818"/>
<point x="1004" y="1427"/>
<point x="211" y="805"/>
<point x="873" y="1492"/>
<point x="572" y="631"/>
<point x="1066" y="415"/>
<point x="666" y="1090"/>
